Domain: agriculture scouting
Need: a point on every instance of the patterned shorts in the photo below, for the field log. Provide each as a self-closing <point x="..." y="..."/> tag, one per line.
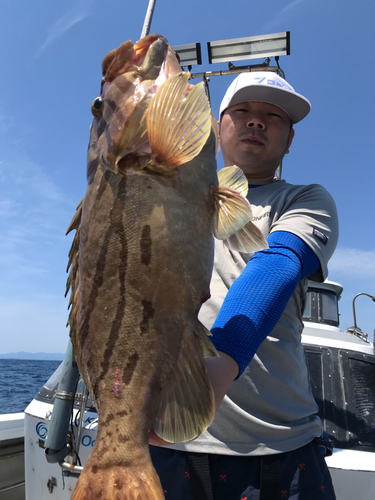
<point x="302" y="474"/>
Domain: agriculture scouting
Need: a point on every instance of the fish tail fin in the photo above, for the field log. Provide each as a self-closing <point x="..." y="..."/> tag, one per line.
<point x="186" y="405"/>
<point x="178" y="123"/>
<point x="118" y="482"/>
<point x="233" y="215"/>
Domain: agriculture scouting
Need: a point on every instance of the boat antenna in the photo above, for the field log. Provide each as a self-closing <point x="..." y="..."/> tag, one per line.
<point x="148" y="18"/>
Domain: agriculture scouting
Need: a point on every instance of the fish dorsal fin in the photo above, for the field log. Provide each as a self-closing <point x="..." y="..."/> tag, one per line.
<point x="178" y="125"/>
<point x="186" y="404"/>
<point x="233" y="215"/>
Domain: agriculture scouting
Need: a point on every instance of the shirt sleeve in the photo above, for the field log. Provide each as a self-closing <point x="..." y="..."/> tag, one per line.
<point x="258" y="297"/>
<point x="312" y="216"/>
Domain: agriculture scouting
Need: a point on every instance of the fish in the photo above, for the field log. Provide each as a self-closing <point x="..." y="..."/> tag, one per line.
<point x="141" y="261"/>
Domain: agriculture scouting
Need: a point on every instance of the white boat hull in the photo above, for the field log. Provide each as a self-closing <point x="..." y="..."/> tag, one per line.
<point x="353" y="472"/>
<point x="12" y="471"/>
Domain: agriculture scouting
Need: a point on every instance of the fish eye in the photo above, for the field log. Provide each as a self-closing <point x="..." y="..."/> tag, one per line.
<point x="96" y="106"/>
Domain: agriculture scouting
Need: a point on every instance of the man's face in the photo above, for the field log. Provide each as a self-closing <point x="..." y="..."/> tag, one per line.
<point x="255" y="136"/>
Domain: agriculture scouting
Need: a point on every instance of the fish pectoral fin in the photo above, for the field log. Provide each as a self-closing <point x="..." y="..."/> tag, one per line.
<point x="233" y="215"/>
<point x="178" y="123"/>
<point x="248" y="239"/>
<point x="186" y="405"/>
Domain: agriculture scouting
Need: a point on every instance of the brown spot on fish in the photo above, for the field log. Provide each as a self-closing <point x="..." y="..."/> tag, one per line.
<point x="146" y="243"/>
<point x="91" y="169"/>
<point x="104" y="450"/>
<point x="108" y="420"/>
<point x="117" y="227"/>
<point x="118" y="484"/>
<point x="112" y="105"/>
<point x="122" y="413"/>
<point x="94" y="469"/>
<point x="101" y="188"/>
<point x="130" y="368"/>
<point x="114" y="449"/>
<point x="122" y="438"/>
<point x="148" y="313"/>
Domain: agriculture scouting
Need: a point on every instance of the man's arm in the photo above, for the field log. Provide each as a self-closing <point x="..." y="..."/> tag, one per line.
<point x="258" y="297"/>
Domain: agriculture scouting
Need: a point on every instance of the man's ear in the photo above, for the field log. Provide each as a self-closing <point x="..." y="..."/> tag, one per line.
<point x="291" y="136"/>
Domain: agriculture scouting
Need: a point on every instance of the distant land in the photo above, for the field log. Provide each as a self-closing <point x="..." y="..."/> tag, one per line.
<point x="42" y="356"/>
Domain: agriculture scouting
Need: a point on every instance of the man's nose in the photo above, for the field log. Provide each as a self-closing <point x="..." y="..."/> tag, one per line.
<point x="256" y="123"/>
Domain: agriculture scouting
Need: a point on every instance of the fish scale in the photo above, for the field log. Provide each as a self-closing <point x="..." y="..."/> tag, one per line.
<point x="141" y="262"/>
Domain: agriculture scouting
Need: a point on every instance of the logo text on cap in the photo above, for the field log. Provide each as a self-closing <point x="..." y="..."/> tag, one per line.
<point x="270" y="81"/>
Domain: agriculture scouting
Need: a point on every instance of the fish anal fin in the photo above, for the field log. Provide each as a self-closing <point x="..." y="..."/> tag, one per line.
<point x="186" y="405"/>
<point x="233" y="215"/>
<point x="178" y="123"/>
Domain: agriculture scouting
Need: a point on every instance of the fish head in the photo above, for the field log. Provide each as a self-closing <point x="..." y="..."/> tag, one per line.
<point x="132" y="74"/>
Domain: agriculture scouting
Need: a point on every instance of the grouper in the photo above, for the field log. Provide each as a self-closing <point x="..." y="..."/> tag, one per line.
<point x="141" y="262"/>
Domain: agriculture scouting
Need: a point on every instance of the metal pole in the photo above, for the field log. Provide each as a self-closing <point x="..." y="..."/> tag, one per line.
<point x="236" y="71"/>
<point x="148" y="18"/>
<point x="56" y="446"/>
<point x="358" y="294"/>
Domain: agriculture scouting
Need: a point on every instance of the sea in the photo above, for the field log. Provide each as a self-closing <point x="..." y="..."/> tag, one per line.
<point x="20" y="381"/>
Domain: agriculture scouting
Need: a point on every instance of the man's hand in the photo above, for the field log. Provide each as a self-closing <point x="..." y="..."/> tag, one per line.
<point x="221" y="372"/>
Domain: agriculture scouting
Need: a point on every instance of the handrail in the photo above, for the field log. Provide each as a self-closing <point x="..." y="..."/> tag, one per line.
<point x="355" y="330"/>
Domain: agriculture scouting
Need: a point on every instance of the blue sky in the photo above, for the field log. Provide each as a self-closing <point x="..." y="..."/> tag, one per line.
<point x="51" y="56"/>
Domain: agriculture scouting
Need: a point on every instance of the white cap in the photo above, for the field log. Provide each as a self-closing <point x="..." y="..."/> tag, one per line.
<point x="266" y="86"/>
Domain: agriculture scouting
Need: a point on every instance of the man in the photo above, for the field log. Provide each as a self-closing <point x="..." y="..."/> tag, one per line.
<point x="262" y="441"/>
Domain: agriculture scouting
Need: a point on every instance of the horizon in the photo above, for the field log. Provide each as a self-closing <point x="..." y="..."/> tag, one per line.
<point x="42" y="356"/>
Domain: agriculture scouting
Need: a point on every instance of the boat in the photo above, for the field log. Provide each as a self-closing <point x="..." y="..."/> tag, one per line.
<point x="12" y="468"/>
<point x="342" y="372"/>
<point x="342" y="375"/>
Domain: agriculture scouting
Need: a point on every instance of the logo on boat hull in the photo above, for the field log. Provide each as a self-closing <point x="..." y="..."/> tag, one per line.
<point x="87" y="440"/>
<point x="41" y="430"/>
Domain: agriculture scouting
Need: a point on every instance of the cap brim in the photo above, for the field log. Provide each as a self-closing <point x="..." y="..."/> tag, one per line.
<point x="295" y="105"/>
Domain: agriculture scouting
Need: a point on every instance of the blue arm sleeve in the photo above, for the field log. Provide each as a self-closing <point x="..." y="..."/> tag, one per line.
<point x="258" y="297"/>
